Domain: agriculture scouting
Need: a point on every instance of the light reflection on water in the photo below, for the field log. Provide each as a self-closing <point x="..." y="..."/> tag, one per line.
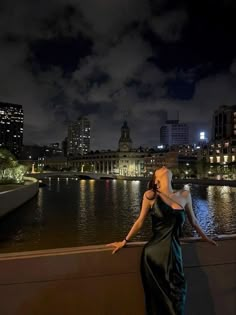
<point x="75" y="213"/>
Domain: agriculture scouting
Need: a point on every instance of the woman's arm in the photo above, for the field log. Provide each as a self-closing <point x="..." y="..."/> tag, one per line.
<point x="193" y="220"/>
<point x="142" y="216"/>
<point x="136" y="226"/>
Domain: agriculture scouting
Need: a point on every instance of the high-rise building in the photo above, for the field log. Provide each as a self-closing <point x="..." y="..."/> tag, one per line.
<point x="222" y="148"/>
<point x="11" y="127"/>
<point x="174" y="133"/>
<point x="79" y="137"/>
<point x="224" y="123"/>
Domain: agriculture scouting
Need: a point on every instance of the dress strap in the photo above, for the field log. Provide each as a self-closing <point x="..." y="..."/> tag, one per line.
<point x="170" y="199"/>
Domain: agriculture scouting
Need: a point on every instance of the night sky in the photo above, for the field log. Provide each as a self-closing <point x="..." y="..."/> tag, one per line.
<point x="114" y="60"/>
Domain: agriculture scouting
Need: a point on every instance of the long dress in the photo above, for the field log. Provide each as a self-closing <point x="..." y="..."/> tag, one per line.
<point x="161" y="262"/>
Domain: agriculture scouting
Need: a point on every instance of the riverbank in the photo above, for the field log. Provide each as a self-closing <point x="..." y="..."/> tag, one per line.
<point x="13" y="196"/>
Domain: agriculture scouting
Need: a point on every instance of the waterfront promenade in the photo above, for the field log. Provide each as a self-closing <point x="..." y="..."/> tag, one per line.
<point x="91" y="281"/>
<point x="13" y="196"/>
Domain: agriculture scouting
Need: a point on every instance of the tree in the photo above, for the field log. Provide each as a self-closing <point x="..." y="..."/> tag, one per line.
<point x="10" y="170"/>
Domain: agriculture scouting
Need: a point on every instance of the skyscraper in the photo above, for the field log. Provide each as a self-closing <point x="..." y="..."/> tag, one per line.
<point x="222" y="149"/>
<point x="79" y="137"/>
<point x="224" y="123"/>
<point x="11" y="127"/>
<point x="174" y="133"/>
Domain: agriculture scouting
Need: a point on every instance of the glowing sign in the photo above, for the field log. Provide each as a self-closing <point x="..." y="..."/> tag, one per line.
<point x="202" y="135"/>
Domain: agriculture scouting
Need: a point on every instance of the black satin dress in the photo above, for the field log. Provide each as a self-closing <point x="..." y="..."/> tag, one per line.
<point x="161" y="262"/>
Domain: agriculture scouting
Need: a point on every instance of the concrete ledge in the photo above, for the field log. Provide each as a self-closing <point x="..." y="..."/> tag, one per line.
<point x="89" y="280"/>
<point x="12" y="199"/>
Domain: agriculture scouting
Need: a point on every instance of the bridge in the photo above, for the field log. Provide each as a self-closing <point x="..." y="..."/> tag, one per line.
<point x="79" y="175"/>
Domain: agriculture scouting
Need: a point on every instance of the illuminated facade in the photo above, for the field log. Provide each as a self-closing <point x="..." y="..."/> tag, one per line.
<point x="222" y="148"/>
<point x="125" y="161"/>
<point x="222" y="152"/>
<point x="78" y="141"/>
<point x="11" y="127"/>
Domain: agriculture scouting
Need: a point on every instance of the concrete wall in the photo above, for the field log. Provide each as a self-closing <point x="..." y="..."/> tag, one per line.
<point x="89" y="280"/>
<point x="12" y="199"/>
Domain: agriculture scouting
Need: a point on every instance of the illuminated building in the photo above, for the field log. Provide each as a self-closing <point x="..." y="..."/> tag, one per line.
<point x="222" y="148"/>
<point x="11" y="127"/>
<point x="126" y="161"/>
<point x="78" y="142"/>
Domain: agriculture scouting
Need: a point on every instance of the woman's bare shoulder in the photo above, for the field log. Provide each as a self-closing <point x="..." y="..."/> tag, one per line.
<point x="185" y="191"/>
<point x="149" y="194"/>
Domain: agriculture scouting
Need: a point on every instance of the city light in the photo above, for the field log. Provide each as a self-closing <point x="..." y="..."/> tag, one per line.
<point x="202" y="135"/>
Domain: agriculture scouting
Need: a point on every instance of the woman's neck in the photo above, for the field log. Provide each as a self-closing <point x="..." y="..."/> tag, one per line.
<point x="166" y="188"/>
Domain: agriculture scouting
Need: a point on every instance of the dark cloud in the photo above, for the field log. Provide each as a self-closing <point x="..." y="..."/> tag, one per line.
<point x="115" y="60"/>
<point x="169" y="25"/>
<point x="63" y="52"/>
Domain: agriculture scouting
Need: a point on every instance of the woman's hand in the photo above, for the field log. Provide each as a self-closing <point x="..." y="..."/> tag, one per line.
<point x="116" y="245"/>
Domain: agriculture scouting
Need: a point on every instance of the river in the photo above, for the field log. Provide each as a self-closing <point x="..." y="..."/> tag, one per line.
<point x="70" y="212"/>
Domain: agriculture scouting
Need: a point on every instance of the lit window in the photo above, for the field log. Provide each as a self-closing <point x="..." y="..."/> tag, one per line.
<point x="226" y="158"/>
<point x="218" y="159"/>
<point x="211" y="159"/>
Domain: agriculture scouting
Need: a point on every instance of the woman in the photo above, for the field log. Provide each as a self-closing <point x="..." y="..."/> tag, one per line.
<point x="161" y="261"/>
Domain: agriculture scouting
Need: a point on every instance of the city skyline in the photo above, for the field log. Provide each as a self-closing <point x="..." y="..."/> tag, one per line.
<point x="115" y="61"/>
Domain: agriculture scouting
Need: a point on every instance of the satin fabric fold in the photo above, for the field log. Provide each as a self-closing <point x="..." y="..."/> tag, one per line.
<point x="161" y="262"/>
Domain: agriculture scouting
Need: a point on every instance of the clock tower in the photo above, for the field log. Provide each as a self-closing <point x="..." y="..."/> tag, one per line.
<point x="125" y="143"/>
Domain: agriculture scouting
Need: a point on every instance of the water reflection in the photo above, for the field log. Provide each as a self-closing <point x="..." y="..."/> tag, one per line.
<point x="81" y="210"/>
<point x="221" y="202"/>
<point x="70" y="212"/>
<point x="58" y="184"/>
<point x="49" y="183"/>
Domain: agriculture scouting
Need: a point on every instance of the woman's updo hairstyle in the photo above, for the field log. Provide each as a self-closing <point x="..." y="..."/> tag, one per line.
<point x="151" y="184"/>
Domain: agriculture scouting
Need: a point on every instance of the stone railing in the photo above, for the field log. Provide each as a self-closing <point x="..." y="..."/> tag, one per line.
<point x="89" y="280"/>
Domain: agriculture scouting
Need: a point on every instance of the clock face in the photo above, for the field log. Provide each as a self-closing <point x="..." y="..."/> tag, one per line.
<point x="125" y="147"/>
